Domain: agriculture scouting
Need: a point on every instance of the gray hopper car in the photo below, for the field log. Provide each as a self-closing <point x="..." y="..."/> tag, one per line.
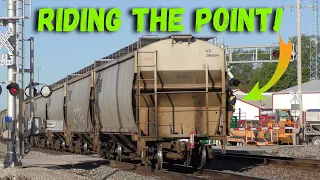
<point x="158" y="100"/>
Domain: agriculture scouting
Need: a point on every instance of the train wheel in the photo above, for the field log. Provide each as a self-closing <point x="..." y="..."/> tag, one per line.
<point x="119" y="154"/>
<point x="199" y="157"/>
<point x="107" y="151"/>
<point x="210" y="154"/>
<point x="316" y="140"/>
<point x="159" y="158"/>
<point x="71" y="147"/>
<point x="85" y="149"/>
<point x="57" y="145"/>
<point x="101" y="150"/>
<point x="43" y="144"/>
<point x="188" y="161"/>
<point x="78" y="147"/>
<point x="63" y="146"/>
<point x="36" y="143"/>
<point x="203" y="154"/>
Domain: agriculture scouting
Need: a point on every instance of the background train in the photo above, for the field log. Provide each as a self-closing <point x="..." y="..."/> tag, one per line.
<point x="157" y="99"/>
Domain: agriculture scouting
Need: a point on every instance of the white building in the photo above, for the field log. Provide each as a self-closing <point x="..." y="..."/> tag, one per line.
<point x="310" y="97"/>
<point x="251" y="110"/>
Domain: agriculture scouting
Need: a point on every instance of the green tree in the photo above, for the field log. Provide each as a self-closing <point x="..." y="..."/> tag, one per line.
<point x="245" y="72"/>
<point x="250" y="73"/>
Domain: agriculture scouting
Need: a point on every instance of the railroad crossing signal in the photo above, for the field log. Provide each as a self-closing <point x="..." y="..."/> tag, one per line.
<point x="46" y="91"/>
<point x="27" y="91"/>
<point x="254" y="56"/>
<point x="234" y="82"/>
<point x="13" y="89"/>
<point x="4" y="61"/>
<point x="276" y="54"/>
<point x="4" y="40"/>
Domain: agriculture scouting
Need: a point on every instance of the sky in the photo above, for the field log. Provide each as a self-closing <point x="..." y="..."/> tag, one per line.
<point x="60" y="54"/>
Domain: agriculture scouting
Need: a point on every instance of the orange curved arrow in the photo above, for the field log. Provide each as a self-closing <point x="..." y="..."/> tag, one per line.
<point x="284" y="60"/>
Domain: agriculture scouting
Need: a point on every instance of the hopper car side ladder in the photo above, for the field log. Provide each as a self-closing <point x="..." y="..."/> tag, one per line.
<point x="139" y="94"/>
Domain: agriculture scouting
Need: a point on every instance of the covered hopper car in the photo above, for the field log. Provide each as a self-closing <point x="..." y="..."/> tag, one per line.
<point x="156" y="99"/>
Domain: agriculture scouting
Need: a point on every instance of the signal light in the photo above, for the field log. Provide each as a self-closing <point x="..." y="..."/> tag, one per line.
<point x="234" y="82"/>
<point x="276" y="54"/>
<point x="27" y="91"/>
<point x="13" y="89"/>
<point x="46" y="91"/>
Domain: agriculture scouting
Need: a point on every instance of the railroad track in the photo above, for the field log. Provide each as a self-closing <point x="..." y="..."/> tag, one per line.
<point x="179" y="171"/>
<point x="175" y="171"/>
<point x="182" y="172"/>
<point x="270" y="159"/>
<point x="210" y="174"/>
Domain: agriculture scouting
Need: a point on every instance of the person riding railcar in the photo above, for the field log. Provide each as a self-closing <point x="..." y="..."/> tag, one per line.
<point x="231" y="107"/>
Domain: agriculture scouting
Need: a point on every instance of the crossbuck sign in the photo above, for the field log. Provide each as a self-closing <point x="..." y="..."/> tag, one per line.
<point x="4" y="61"/>
<point x="295" y="97"/>
<point x="4" y="40"/>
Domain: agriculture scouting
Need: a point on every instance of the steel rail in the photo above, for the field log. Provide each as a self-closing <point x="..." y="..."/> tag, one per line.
<point x="273" y="159"/>
<point x="212" y="174"/>
<point x="175" y="171"/>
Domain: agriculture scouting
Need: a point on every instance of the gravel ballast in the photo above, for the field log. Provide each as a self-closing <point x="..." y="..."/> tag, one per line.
<point x="309" y="151"/>
<point x="35" y="173"/>
<point x="284" y="172"/>
<point x="288" y="172"/>
<point x="270" y="171"/>
<point x="103" y="172"/>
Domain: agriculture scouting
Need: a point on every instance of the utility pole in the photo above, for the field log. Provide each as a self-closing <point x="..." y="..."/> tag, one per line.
<point x="299" y="61"/>
<point x="11" y="155"/>
<point x="10" y="40"/>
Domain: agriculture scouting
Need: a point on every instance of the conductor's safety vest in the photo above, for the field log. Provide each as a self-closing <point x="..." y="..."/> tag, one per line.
<point x="233" y="105"/>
